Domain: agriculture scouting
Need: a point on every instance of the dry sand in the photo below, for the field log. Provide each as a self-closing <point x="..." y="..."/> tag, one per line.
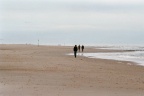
<point x="28" y="70"/>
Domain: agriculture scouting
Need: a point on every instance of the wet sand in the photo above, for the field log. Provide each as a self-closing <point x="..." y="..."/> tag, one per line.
<point x="29" y="70"/>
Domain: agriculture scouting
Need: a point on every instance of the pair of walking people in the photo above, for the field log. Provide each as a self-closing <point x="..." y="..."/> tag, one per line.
<point x="75" y="49"/>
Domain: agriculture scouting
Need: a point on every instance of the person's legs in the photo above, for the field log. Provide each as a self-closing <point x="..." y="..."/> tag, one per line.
<point x="75" y="53"/>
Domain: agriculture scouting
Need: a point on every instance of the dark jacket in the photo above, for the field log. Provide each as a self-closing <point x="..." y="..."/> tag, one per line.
<point x="82" y="47"/>
<point x="75" y="48"/>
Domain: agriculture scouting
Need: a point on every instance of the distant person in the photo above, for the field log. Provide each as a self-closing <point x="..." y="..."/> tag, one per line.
<point x="79" y="48"/>
<point x="75" y="50"/>
<point x="82" y="48"/>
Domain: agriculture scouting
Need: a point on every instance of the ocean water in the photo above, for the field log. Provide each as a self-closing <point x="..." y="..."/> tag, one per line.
<point x="135" y="54"/>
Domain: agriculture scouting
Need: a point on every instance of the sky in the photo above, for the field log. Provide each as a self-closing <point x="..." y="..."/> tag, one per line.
<point x="72" y="21"/>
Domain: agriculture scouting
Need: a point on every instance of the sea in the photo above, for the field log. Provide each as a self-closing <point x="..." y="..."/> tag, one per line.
<point x="130" y="53"/>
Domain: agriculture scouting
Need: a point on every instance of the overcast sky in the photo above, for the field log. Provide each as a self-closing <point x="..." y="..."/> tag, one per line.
<point x="72" y="21"/>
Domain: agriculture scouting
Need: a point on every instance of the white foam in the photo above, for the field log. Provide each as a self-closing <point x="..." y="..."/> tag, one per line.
<point x="135" y="56"/>
<point x="125" y="56"/>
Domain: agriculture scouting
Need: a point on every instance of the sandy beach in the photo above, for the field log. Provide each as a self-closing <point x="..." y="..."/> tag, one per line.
<point x="29" y="70"/>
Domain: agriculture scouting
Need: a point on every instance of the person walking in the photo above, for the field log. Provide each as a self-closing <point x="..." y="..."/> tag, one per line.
<point x="82" y="48"/>
<point x="75" y="50"/>
<point x="79" y="48"/>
